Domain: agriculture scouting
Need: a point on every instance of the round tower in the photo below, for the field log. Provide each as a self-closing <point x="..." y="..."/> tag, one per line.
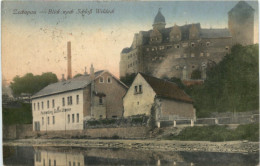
<point x="159" y="21"/>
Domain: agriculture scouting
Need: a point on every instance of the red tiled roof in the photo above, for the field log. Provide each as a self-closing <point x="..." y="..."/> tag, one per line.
<point x="192" y="82"/>
<point x="166" y="89"/>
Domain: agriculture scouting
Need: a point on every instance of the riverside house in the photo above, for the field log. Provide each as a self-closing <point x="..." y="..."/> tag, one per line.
<point x="65" y="105"/>
<point x="171" y="102"/>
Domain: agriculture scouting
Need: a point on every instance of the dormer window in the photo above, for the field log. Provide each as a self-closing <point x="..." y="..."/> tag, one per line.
<point x="101" y="80"/>
<point x="192" y="44"/>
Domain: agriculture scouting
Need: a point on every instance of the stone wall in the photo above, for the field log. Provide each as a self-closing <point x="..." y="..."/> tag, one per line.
<point x="25" y="131"/>
<point x="18" y="131"/>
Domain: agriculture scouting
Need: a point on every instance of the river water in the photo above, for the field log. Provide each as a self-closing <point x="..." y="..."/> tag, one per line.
<point x="72" y="156"/>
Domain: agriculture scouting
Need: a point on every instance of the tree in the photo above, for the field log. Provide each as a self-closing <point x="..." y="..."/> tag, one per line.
<point x="32" y="84"/>
<point x="232" y="85"/>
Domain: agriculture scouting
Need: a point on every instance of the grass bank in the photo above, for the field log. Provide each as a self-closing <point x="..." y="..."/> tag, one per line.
<point x="217" y="133"/>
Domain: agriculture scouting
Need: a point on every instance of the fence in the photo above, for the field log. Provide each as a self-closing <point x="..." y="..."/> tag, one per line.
<point x="243" y="119"/>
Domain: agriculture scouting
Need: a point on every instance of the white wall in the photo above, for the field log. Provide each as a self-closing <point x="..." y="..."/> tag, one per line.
<point x="59" y="112"/>
<point x="145" y="99"/>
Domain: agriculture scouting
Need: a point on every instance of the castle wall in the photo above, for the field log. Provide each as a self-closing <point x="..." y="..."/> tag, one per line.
<point x="170" y="59"/>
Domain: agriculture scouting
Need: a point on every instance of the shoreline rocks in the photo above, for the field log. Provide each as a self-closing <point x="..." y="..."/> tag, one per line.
<point x="155" y="145"/>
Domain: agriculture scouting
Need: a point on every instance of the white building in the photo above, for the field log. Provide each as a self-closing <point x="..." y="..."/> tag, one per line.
<point x="65" y="105"/>
<point x="170" y="101"/>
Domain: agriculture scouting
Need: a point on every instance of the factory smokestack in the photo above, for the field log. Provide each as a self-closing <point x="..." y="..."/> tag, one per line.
<point x="69" y="60"/>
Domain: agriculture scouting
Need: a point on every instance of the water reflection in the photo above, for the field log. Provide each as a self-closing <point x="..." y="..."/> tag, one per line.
<point x="68" y="156"/>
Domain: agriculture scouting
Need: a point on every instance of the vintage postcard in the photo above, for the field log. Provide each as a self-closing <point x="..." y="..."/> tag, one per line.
<point x="130" y="83"/>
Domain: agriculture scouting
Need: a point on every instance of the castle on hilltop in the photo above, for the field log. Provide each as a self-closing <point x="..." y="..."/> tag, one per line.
<point x="179" y="50"/>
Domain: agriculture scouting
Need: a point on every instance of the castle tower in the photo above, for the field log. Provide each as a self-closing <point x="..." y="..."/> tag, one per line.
<point x="159" y="21"/>
<point x="241" y="23"/>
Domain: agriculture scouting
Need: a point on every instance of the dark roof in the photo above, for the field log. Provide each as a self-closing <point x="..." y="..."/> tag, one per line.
<point x="215" y="33"/>
<point x="159" y="18"/>
<point x="241" y="5"/>
<point x="166" y="89"/>
<point x="68" y="85"/>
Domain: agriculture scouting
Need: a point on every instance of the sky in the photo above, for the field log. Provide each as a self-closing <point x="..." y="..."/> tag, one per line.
<point x="34" y="38"/>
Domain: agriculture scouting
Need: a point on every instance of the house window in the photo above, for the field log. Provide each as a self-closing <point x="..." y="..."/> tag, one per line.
<point x="100" y="116"/>
<point x="54" y="162"/>
<point x="77" y="98"/>
<point x="74" y="164"/>
<point x="100" y="100"/>
<point x="43" y="162"/>
<point x="140" y="89"/>
<point x="78" y="163"/>
<point x="227" y="48"/>
<point x="48" y="104"/>
<point x="69" y="99"/>
<point x="48" y="120"/>
<point x="38" y="105"/>
<point x="69" y="163"/>
<point x="53" y="120"/>
<point x="177" y="67"/>
<point x="34" y="106"/>
<point x="136" y="88"/>
<point x="68" y="118"/>
<point x="177" y="46"/>
<point x="77" y="118"/>
<point x="207" y="44"/>
<point x="72" y="118"/>
<point x="42" y="120"/>
<point x="49" y="162"/>
<point x="42" y="105"/>
<point x="109" y="80"/>
<point x="63" y="101"/>
<point x="101" y="80"/>
<point x="192" y="44"/>
<point x="184" y="44"/>
<point x="53" y="103"/>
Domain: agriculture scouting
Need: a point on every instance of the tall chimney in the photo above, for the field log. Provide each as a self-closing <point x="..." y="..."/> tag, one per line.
<point x="69" y="60"/>
<point x="92" y="74"/>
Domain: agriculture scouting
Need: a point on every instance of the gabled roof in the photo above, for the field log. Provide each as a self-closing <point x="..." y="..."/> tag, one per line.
<point x="166" y="89"/>
<point x="241" y="5"/>
<point x="69" y="85"/>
